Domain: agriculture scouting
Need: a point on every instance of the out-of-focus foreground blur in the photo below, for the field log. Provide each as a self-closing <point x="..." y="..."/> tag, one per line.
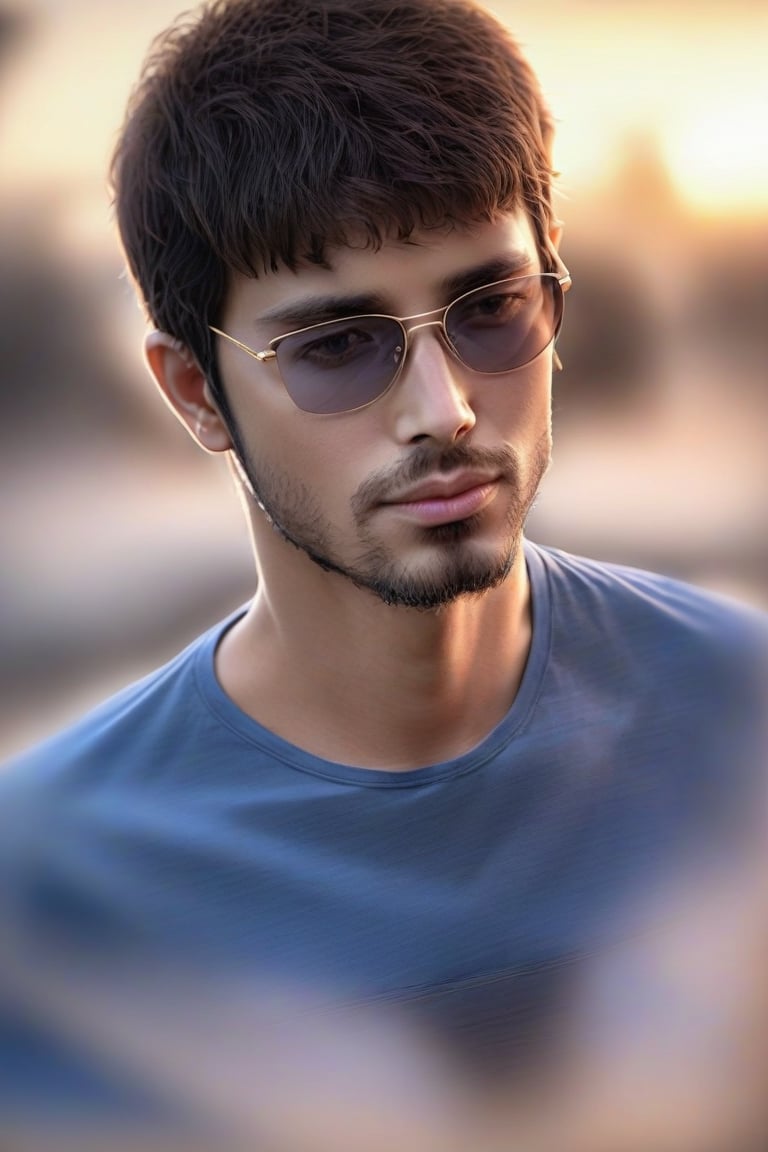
<point x="120" y="541"/>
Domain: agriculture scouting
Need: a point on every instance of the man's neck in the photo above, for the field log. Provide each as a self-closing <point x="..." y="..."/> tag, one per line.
<point x="333" y="670"/>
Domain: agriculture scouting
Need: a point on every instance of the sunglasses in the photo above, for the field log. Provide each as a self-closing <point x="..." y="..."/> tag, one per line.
<point x="343" y="365"/>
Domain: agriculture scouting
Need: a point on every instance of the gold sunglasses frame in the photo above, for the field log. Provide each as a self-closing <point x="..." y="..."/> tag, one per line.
<point x="270" y="352"/>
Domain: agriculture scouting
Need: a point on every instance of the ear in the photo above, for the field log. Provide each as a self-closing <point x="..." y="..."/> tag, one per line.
<point x="555" y="234"/>
<point x="184" y="386"/>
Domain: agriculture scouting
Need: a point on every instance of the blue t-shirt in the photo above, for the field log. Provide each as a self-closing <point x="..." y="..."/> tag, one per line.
<point x="170" y="828"/>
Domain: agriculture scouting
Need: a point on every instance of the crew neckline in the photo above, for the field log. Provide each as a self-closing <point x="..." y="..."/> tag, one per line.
<point x="262" y="740"/>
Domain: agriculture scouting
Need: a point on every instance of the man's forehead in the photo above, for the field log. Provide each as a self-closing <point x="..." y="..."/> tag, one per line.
<point x="432" y="261"/>
<point x="428" y="247"/>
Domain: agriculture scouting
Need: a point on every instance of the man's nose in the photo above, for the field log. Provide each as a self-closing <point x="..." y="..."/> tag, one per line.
<point x="432" y="398"/>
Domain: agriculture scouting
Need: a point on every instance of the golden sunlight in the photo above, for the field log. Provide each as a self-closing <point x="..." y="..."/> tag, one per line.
<point x="715" y="152"/>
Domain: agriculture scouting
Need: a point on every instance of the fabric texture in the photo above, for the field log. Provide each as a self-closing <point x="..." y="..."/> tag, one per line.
<point x="168" y="827"/>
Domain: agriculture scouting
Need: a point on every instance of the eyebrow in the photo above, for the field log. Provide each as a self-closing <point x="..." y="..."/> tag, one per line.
<point x="317" y="309"/>
<point x="500" y="268"/>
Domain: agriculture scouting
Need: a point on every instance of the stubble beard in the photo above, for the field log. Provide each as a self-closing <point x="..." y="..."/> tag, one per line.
<point x="462" y="569"/>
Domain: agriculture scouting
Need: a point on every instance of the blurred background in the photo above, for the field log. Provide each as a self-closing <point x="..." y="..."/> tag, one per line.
<point x="121" y="541"/>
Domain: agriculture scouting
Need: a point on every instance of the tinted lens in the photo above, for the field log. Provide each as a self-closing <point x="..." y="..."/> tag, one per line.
<point x="506" y="325"/>
<point x="342" y="365"/>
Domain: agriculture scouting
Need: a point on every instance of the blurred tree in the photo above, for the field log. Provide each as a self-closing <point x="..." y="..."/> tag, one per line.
<point x="612" y="337"/>
<point x="58" y="375"/>
<point x="12" y="25"/>
<point x="728" y="307"/>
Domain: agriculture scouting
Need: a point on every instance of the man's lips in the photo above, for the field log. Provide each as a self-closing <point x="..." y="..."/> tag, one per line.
<point x="442" y="500"/>
<point x="443" y="487"/>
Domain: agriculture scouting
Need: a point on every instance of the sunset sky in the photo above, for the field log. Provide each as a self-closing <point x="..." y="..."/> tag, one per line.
<point x="688" y="73"/>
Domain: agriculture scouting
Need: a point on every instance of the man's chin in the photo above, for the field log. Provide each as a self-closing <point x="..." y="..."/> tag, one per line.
<point x="452" y="562"/>
<point x="470" y="576"/>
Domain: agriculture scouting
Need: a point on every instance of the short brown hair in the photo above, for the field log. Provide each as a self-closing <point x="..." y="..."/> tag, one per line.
<point x="262" y="131"/>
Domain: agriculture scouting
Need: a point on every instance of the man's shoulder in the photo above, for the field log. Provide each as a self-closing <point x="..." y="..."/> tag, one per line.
<point x="641" y="596"/>
<point x="643" y="631"/>
<point x="679" y="671"/>
<point x="127" y="731"/>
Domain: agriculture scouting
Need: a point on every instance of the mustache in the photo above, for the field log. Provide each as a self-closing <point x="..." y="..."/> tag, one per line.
<point x="426" y="461"/>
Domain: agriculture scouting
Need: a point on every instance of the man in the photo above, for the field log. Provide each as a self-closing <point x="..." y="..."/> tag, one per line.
<point x="431" y="764"/>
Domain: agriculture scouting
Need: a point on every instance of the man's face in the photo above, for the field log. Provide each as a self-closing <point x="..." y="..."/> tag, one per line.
<point x="421" y="496"/>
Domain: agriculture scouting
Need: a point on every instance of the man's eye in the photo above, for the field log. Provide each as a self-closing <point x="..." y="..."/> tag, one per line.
<point x="336" y="345"/>
<point x="501" y="304"/>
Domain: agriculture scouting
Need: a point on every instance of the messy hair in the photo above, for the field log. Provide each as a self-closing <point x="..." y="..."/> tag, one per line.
<point x="264" y="131"/>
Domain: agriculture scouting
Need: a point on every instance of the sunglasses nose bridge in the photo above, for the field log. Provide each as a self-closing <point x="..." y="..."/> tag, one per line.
<point x="410" y="328"/>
